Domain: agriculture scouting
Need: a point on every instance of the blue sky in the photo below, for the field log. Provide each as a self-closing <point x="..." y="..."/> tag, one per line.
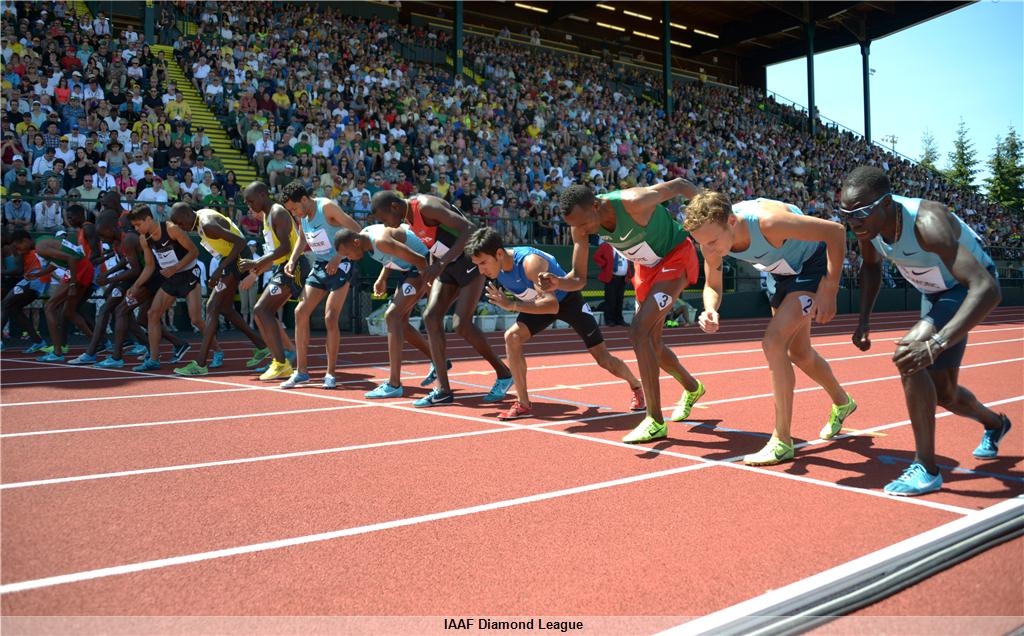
<point x="965" y="64"/>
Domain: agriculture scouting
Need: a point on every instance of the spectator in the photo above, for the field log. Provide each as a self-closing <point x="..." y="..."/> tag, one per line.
<point x="18" y="213"/>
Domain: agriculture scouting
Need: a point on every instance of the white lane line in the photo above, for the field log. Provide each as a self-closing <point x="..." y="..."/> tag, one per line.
<point x="132" y="397"/>
<point x="143" y="566"/>
<point x="110" y="427"/>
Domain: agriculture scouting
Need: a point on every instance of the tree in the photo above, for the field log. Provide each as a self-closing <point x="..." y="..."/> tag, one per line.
<point x="930" y="152"/>
<point x="962" y="161"/>
<point x="1006" y="183"/>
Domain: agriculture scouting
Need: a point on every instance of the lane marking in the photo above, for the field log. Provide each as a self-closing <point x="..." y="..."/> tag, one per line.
<point x="238" y="387"/>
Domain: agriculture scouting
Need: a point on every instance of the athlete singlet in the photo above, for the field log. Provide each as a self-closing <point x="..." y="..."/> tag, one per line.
<point x="168" y="252"/>
<point x="270" y="238"/>
<point x="215" y="246"/>
<point x="787" y="259"/>
<point x="516" y="280"/>
<point x="374" y="232"/>
<point x="643" y="245"/>
<point x="437" y="238"/>
<point x="316" y="231"/>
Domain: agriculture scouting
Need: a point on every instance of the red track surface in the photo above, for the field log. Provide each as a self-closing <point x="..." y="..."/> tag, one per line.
<point x="129" y="483"/>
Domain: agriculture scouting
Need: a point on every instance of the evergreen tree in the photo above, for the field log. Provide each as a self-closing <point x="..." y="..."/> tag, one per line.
<point x="962" y="161"/>
<point x="1006" y="183"/>
<point x="930" y="152"/>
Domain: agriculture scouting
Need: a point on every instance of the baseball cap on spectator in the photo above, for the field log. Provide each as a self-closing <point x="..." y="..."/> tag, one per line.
<point x="17" y="158"/>
<point x="148" y="171"/>
<point x="76" y="74"/>
<point x="130" y="189"/>
<point x="21" y="172"/>
<point x="156" y="177"/>
<point x="15" y="195"/>
<point x="64" y="138"/>
<point x="102" y="164"/>
<point x="499" y="202"/>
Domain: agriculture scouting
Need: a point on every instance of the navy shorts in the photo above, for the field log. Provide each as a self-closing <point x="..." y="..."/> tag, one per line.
<point x="460" y="272"/>
<point x="320" y="279"/>
<point x="293" y="283"/>
<point x="938" y="309"/>
<point x="814" y="269"/>
<point x="573" y="310"/>
<point x="181" y="284"/>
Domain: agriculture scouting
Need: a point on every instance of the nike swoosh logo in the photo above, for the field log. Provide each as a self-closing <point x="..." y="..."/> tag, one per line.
<point x="633" y="251"/>
<point x="470" y="270"/>
<point x="918" y="273"/>
<point x="667" y="271"/>
<point x="626" y="235"/>
<point x="761" y="255"/>
<point x="909" y="253"/>
<point x="804" y="280"/>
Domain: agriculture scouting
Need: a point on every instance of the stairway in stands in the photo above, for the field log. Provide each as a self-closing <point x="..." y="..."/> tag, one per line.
<point x="234" y="160"/>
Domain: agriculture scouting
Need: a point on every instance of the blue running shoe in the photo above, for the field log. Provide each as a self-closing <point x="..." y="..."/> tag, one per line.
<point x="180" y="351"/>
<point x="989" y="446"/>
<point x="218" y="360"/>
<point x="290" y="357"/>
<point x="385" y="390"/>
<point x="915" y="480"/>
<point x="296" y="379"/>
<point x="260" y="369"/>
<point x="139" y="350"/>
<point x="108" y="346"/>
<point x="37" y="346"/>
<point x="330" y="382"/>
<point x="85" y="358"/>
<point x="110" y="363"/>
<point x="437" y="397"/>
<point x="50" y="357"/>
<point x="498" y="391"/>
<point x="432" y="375"/>
<point x="149" y="364"/>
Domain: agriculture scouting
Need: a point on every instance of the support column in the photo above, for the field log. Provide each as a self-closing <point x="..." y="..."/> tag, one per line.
<point x="666" y="66"/>
<point x="457" y="40"/>
<point x="865" y="52"/>
<point x="148" y="20"/>
<point x="809" y="30"/>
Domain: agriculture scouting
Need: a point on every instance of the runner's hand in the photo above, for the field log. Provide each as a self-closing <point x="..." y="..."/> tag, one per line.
<point x="860" y="337"/>
<point x="708" y="321"/>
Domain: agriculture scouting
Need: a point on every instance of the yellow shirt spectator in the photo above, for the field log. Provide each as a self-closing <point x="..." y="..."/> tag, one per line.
<point x="280" y="97"/>
<point x="179" y="110"/>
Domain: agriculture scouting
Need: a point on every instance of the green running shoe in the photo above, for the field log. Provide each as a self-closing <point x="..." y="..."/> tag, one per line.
<point x="258" y="355"/>
<point x="682" y="410"/>
<point x="774" y="452"/>
<point x="837" y="417"/>
<point x="647" y="431"/>
<point x="192" y="368"/>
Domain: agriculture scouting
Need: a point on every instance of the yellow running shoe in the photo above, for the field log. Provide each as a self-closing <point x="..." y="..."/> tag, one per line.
<point x="647" y="431"/>
<point x="682" y="410"/>
<point x="837" y="417"/>
<point x="774" y="452"/>
<point x="278" y="370"/>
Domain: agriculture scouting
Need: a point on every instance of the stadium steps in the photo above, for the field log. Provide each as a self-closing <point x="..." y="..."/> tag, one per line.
<point x="202" y="116"/>
<point x="80" y="8"/>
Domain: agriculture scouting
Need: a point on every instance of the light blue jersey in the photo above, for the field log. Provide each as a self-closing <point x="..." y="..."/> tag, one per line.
<point x="786" y="260"/>
<point x="319" y="233"/>
<point x="413" y="242"/>
<point x="922" y="269"/>
<point x="516" y="280"/>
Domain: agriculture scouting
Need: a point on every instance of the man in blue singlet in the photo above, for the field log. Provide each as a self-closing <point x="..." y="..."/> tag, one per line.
<point x="517" y="269"/>
<point x="803" y="256"/>
<point x="319" y="218"/>
<point x="943" y="258"/>
<point x="397" y="249"/>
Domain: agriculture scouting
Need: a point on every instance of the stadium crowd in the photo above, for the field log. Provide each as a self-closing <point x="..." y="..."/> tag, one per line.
<point x="339" y="103"/>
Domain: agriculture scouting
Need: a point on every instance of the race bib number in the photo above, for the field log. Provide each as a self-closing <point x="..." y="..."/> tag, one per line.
<point x="318" y="241"/>
<point x="268" y="239"/>
<point x="166" y="259"/>
<point x="806" y="303"/>
<point x="209" y="248"/>
<point x="438" y="249"/>
<point x="663" y="300"/>
<point x="110" y="263"/>
<point x="220" y="287"/>
<point x="115" y="292"/>
<point x="408" y="289"/>
<point x="926" y="279"/>
<point x="586" y="309"/>
<point x="642" y="254"/>
<point x="74" y="247"/>
<point x="779" y="268"/>
<point x="18" y="290"/>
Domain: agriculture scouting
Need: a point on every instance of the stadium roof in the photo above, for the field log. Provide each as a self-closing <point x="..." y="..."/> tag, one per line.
<point x="718" y="37"/>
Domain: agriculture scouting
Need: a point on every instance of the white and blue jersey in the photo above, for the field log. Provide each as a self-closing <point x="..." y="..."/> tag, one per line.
<point x="319" y="233"/>
<point x="922" y="269"/>
<point x="516" y="281"/>
<point x="413" y="242"/>
<point x="785" y="260"/>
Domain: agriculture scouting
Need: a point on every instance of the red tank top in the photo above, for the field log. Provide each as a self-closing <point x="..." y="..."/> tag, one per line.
<point x="426" y="233"/>
<point x="30" y="262"/>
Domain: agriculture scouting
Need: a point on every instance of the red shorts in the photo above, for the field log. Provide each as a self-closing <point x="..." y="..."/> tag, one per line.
<point x="680" y="261"/>
<point x="83" y="273"/>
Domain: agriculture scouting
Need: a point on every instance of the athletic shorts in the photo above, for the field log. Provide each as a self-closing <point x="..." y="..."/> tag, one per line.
<point x="181" y="284"/>
<point x="573" y="310"/>
<point x="460" y="272"/>
<point x="320" y="279"/>
<point x="807" y="280"/>
<point x="679" y="262"/>
<point x="293" y="284"/>
<point x="84" y="274"/>
<point x="938" y="309"/>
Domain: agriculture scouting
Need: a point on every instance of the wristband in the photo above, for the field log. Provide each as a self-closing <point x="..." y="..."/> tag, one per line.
<point x="931" y="358"/>
<point x="939" y="342"/>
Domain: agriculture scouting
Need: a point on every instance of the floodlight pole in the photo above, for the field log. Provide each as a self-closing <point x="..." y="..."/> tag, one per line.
<point x="865" y="50"/>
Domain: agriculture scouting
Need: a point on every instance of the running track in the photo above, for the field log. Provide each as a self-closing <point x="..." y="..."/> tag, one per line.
<point x="146" y="495"/>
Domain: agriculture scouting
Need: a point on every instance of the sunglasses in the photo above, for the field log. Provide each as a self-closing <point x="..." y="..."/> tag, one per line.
<point x="864" y="211"/>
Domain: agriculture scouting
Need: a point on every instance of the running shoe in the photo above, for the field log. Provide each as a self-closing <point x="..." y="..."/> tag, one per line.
<point x="638" y="402"/>
<point x="50" y="357"/>
<point x="83" y="359"/>
<point x="36" y="347"/>
<point x="261" y="368"/>
<point x="989" y="446"/>
<point x="139" y="350"/>
<point x="149" y="364"/>
<point x="686" y="402"/>
<point x="258" y="356"/>
<point x="289" y="356"/>
<point x="192" y="368"/>
<point x="437" y="397"/>
<point x="837" y="417"/>
<point x="385" y="390"/>
<point x="915" y="480"/>
<point x="217" y="361"/>
<point x="297" y="379"/>
<point x="49" y="349"/>
<point x="432" y="374"/>
<point x="774" y="452"/>
<point x="107" y="347"/>
<point x="180" y="351"/>
<point x="110" y="363"/>
<point x="278" y="370"/>
<point x="329" y="382"/>
<point x="498" y="391"/>
<point x="646" y="431"/>
<point x="515" y="412"/>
